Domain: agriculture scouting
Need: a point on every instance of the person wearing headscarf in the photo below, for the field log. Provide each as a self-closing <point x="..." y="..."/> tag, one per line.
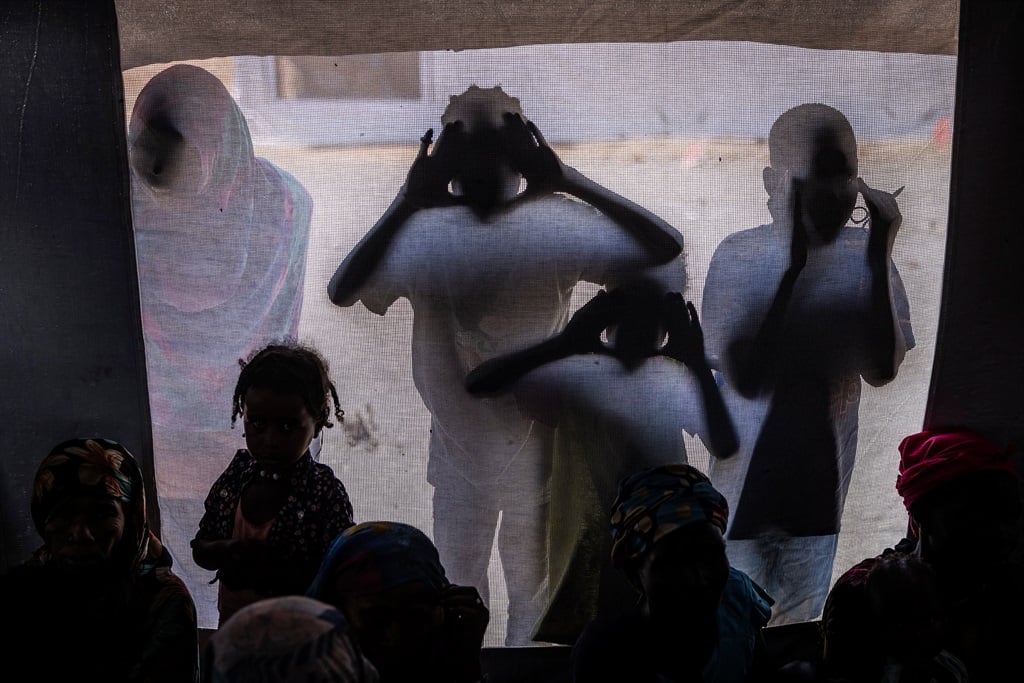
<point x="962" y="495"/>
<point x="697" y="618"/>
<point x="959" y="487"/>
<point x="284" y="639"/>
<point x="409" y="619"/>
<point x="962" y="492"/>
<point x="99" y="596"/>
<point x="221" y="239"/>
<point x="883" y="622"/>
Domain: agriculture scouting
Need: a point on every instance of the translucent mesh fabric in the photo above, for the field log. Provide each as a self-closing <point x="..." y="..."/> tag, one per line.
<point x="240" y="233"/>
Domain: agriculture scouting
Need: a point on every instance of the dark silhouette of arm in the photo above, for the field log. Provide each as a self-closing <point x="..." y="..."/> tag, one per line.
<point x="495" y="375"/>
<point x="426" y="186"/>
<point x="751" y="361"/>
<point x="582" y="334"/>
<point x="544" y="172"/>
<point x="686" y="345"/>
<point x="886" y="345"/>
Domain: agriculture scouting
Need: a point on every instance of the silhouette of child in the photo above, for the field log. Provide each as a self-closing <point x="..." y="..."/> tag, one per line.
<point x="617" y="408"/>
<point x="883" y="622"/>
<point x="909" y="622"/>
<point x="271" y="515"/>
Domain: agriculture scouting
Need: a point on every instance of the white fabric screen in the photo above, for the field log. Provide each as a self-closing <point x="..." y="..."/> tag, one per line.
<point x="677" y="127"/>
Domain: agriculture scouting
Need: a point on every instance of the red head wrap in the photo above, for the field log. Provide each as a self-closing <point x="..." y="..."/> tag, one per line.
<point x="933" y="457"/>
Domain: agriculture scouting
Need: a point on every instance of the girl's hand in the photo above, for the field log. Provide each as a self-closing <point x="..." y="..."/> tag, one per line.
<point x="243" y="551"/>
<point x="246" y="563"/>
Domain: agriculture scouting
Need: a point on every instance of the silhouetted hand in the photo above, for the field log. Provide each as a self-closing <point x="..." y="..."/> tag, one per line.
<point x="583" y="331"/>
<point x="426" y="185"/>
<point x="531" y="156"/>
<point x="685" y="336"/>
<point x="885" y="218"/>
<point x="465" y="621"/>
<point x="798" y="241"/>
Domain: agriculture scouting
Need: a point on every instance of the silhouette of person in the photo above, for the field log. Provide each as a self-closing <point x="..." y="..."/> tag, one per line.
<point x="488" y="271"/>
<point x="963" y="494"/>
<point x="100" y="599"/>
<point x="221" y="240"/>
<point x="883" y="620"/>
<point x="616" y="408"/>
<point x="696" y="617"/>
<point x="796" y="312"/>
<point x="286" y="638"/>
<point x="412" y="622"/>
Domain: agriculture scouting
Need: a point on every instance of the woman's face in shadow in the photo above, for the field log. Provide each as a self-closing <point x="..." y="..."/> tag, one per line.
<point x="85" y="529"/>
<point x="973" y="523"/>
<point x="683" y="579"/>
<point x="397" y="628"/>
<point x="164" y="159"/>
<point x="686" y="570"/>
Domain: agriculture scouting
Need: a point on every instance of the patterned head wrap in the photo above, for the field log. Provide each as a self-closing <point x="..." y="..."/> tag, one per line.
<point x="931" y="458"/>
<point x="652" y="503"/>
<point x="374" y="556"/>
<point x="289" y="638"/>
<point x="95" y="467"/>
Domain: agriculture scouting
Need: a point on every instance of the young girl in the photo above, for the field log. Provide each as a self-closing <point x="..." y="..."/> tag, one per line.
<point x="272" y="514"/>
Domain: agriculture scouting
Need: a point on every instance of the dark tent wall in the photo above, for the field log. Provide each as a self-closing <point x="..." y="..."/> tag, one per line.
<point x="978" y="370"/>
<point x="73" y="360"/>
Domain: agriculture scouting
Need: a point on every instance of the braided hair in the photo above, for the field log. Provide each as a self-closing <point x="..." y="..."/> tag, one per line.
<point x="289" y="368"/>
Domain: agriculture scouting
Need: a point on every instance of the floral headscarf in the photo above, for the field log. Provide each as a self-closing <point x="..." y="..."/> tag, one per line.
<point x="652" y="503"/>
<point x="374" y="556"/>
<point x="98" y="467"/>
<point x="289" y="638"/>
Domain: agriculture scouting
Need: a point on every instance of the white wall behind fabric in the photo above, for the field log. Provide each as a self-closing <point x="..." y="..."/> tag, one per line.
<point x="665" y="110"/>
